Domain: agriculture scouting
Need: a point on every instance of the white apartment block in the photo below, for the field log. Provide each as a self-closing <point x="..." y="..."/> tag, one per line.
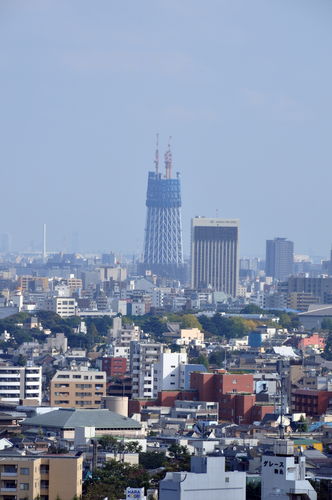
<point x="20" y="382"/>
<point x="168" y="373"/>
<point x="64" y="306"/>
<point x="143" y="357"/>
<point x="122" y="335"/>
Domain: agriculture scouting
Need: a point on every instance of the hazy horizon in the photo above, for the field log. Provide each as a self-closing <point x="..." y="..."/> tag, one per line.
<point x="242" y="87"/>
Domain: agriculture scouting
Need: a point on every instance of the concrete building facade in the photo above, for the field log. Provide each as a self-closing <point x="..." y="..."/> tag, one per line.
<point x="214" y="254"/>
<point x="143" y="357"/>
<point x="167" y="372"/>
<point x="29" y="477"/>
<point x="207" y="479"/>
<point x="279" y="258"/>
<point x="77" y="388"/>
<point x="283" y="474"/>
<point x="20" y="382"/>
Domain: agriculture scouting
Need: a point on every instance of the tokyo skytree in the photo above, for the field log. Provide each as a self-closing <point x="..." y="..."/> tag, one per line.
<point x="163" y="252"/>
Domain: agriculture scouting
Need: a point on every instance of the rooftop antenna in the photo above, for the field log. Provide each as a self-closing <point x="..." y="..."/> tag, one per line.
<point x="168" y="160"/>
<point x="156" y="158"/>
<point x="281" y="425"/>
<point x="44" y="243"/>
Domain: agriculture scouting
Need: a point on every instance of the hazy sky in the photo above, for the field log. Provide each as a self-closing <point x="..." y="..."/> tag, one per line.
<point x="244" y="88"/>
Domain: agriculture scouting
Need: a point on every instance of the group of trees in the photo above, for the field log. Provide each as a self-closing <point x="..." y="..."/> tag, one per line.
<point x="17" y="326"/>
<point x="114" y="445"/>
<point x="223" y="326"/>
<point x="156" y="324"/>
<point x="111" y="480"/>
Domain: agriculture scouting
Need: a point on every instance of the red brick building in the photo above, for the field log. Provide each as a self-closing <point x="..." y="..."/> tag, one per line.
<point x="311" y="402"/>
<point x="114" y="366"/>
<point x="212" y="385"/>
<point x="233" y="392"/>
<point x="165" y="398"/>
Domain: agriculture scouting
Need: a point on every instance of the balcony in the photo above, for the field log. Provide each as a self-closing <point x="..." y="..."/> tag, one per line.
<point x="8" y="485"/>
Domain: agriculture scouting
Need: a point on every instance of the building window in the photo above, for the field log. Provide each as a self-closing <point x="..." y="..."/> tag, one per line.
<point x="44" y="484"/>
<point x="24" y="471"/>
<point x="24" y="486"/>
<point x="44" y="469"/>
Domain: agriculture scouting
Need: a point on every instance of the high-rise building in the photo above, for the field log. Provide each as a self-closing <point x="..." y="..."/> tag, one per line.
<point x="143" y="357"/>
<point x="163" y="253"/>
<point x="214" y="254"/>
<point x="279" y="258"/>
<point x="5" y="243"/>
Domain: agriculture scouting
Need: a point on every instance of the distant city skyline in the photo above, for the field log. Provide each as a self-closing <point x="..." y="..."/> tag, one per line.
<point x="67" y="246"/>
<point x="242" y="87"/>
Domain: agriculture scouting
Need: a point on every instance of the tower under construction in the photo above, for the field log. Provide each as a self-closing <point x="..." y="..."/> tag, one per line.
<point x="163" y="253"/>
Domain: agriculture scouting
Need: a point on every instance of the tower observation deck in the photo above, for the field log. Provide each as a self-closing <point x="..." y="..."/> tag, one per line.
<point x="163" y="253"/>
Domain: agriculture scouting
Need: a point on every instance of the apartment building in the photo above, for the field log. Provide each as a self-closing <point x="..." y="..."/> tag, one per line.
<point x="64" y="306"/>
<point x="20" y="382"/>
<point x="143" y="357"/>
<point x="77" y="388"/>
<point x="33" y="283"/>
<point x="25" y="477"/>
<point x="168" y="374"/>
<point x="74" y="283"/>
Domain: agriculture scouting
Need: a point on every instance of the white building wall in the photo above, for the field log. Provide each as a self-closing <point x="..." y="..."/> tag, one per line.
<point x="20" y="382"/>
<point x="207" y="479"/>
<point x="167" y="372"/>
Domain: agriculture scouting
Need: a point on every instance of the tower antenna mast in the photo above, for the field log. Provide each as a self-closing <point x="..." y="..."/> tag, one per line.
<point x="168" y="160"/>
<point x="156" y="159"/>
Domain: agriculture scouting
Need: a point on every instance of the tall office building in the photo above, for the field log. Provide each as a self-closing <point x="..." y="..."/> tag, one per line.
<point x="214" y="254"/>
<point x="163" y="254"/>
<point x="279" y="258"/>
<point x="5" y="243"/>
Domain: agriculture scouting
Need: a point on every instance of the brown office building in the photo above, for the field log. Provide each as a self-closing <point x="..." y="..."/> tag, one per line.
<point x="77" y="388"/>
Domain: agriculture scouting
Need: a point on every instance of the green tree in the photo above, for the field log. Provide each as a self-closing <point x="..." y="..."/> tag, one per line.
<point x="92" y="335"/>
<point x="327" y="324"/>
<point x="112" y="480"/>
<point x="202" y="360"/>
<point x="253" y="490"/>
<point x="302" y="425"/>
<point x="327" y="353"/>
<point x="217" y="358"/>
<point x="21" y="360"/>
<point x="109" y="443"/>
<point x="252" y="309"/>
<point x="152" y="459"/>
<point x="190" y="321"/>
<point x="154" y="325"/>
<point x="133" y="447"/>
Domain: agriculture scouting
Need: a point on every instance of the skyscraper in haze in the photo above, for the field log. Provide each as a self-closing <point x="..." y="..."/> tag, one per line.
<point x="163" y="253"/>
<point x="5" y="243"/>
<point x="279" y="258"/>
<point x="214" y="254"/>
